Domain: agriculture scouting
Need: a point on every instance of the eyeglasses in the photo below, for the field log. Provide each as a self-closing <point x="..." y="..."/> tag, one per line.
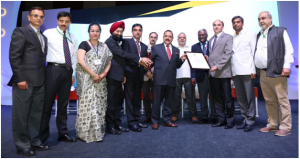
<point x="36" y="16"/>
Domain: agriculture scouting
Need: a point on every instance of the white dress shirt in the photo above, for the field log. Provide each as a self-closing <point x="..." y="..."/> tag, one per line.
<point x="55" y="52"/>
<point x="170" y="47"/>
<point x="185" y="70"/>
<point x="261" y="55"/>
<point x="242" y="62"/>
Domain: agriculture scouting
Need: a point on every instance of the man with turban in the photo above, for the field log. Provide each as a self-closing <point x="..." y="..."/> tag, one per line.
<point x="115" y="77"/>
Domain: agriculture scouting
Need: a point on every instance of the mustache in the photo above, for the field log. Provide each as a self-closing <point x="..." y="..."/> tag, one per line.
<point x="64" y="25"/>
<point x="167" y="40"/>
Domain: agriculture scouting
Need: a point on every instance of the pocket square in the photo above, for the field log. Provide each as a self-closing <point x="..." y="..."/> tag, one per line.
<point x="177" y="53"/>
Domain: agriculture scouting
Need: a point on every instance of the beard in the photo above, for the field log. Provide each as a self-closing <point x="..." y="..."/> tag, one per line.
<point x="115" y="37"/>
<point x="263" y="26"/>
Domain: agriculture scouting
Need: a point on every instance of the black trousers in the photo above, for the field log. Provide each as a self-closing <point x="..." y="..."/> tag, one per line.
<point x="189" y="96"/>
<point x="146" y="93"/>
<point x="27" y="109"/>
<point x="222" y="99"/>
<point x="114" y="103"/>
<point x="168" y="94"/>
<point x="204" y="90"/>
<point x="58" y="81"/>
<point x="244" y="87"/>
<point x="132" y="88"/>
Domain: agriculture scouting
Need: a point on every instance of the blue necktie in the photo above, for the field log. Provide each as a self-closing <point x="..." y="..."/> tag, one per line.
<point x="204" y="49"/>
<point x="68" y="61"/>
<point x="215" y="39"/>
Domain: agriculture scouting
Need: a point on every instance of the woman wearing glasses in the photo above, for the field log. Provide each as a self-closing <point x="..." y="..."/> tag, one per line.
<point x="93" y="64"/>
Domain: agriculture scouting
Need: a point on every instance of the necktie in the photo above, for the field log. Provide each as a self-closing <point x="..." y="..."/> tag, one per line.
<point x="67" y="52"/>
<point x="39" y="36"/>
<point x="215" y="39"/>
<point x="168" y="52"/>
<point x="204" y="49"/>
<point x="138" y="47"/>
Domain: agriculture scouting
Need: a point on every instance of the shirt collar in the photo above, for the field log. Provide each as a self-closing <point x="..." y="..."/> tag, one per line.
<point x="135" y="39"/>
<point x="35" y="30"/>
<point x="204" y="43"/>
<point x="219" y="34"/>
<point x="61" y="31"/>
<point x="262" y="31"/>
<point x="185" y="46"/>
<point x="169" y="45"/>
<point x="241" y="33"/>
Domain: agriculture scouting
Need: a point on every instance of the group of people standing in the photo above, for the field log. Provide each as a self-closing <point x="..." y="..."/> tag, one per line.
<point x="102" y="69"/>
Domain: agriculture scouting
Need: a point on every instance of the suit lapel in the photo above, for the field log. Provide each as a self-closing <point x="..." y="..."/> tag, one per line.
<point x="134" y="46"/>
<point x="173" y="53"/>
<point x="218" y="41"/>
<point x="236" y="46"/>
<point x="34" y="35"/>
<point x="164" y="51"/>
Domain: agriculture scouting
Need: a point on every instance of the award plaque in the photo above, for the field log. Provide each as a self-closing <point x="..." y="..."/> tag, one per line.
<point x="197" y="60"/>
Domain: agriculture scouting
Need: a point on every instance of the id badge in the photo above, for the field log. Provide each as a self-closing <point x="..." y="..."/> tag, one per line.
<point x="97" y="62"/>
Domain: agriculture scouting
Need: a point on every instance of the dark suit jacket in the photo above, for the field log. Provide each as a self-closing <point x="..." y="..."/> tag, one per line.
<point x="131" y="67"/>
<point x="199" y="74"/>
<point x="26" y="58"/>
<point x="116" y="71"/>
<point x="165" y="69"/>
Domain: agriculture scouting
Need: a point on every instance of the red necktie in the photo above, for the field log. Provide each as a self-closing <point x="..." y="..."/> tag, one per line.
<point x="168" y="52"/>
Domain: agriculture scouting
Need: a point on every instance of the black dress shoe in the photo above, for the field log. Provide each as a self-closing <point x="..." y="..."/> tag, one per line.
<point x="203" y="121"/>
<point x="41" y="147"/>
<point x="122" y="129"/>
<point x="67" y="138"/>
<point x="242" y="126"/>
<point x="229" y="126"/>
<point x="113" y="131"/>
<point x="218" y="124"/>
<point x="142" y="126"/>
<point x="135" y="128"/>
<point x="214" y="121"/>
<point x="248" y="128"/>
<point x="27" y="152"/>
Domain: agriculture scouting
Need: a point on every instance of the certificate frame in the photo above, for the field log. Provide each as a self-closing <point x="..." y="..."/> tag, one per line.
<point x="197" y="55"/>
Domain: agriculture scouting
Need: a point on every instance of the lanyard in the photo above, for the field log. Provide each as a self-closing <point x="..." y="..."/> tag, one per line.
<point x="65" y="36"/>
<point x="94" y="47"/>
<point x="264" y="35"/>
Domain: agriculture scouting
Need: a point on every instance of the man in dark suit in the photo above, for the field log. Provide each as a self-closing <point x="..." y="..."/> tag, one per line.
<point x="220" y="75"/>
<point x="201" y="78"/>
<point x="134" y="74"/>
<point x="166" y="60"/>
<point x="27" y="56"/>
<point x="116" y="77"/>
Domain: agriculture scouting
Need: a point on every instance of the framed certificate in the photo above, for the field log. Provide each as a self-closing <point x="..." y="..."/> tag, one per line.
<point x="197" y="60"/>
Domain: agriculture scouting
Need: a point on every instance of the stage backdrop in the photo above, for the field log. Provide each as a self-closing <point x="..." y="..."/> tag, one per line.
<point x="189" y="17"/>
<point x="186" y="17"/>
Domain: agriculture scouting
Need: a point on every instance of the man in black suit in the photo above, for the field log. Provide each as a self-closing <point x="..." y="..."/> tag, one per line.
<point x="166" y="60"/>
<point x="27" y="56"/>
<point x="115" y="77"/>
<point x="134" y="74"/>
<point x="201" y="78"/>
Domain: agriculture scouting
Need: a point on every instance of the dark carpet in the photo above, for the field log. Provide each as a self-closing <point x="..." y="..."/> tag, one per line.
<point x="189" y="140"/>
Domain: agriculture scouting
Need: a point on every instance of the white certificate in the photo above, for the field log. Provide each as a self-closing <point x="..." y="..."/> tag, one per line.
<point x="197" y="61"/>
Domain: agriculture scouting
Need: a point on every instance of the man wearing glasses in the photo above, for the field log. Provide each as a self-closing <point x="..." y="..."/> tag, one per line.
<point x="60" y="70"/>
<point x="27" y="56"/>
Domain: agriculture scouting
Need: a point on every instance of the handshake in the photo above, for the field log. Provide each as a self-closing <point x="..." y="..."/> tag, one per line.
<point x="146" y="62"/>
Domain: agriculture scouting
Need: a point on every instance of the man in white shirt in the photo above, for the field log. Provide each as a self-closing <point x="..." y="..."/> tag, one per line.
<point x="273" y="58"/>
<point x="243" y="72"/>
<point x="183" y="77"/>
<point x="60" y="71"/>
<point x="148" y="80"/>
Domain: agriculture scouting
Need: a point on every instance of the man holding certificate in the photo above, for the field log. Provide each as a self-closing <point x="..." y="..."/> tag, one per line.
<point x="220" y="46"/>
<point x="166" y="60"/>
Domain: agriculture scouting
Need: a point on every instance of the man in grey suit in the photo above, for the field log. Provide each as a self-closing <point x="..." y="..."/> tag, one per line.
<point x="220" y="75"/>
<point x="27" y="57"/>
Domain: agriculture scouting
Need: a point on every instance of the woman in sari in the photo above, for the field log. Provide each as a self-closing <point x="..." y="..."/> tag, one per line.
<point x="94" y="61"/>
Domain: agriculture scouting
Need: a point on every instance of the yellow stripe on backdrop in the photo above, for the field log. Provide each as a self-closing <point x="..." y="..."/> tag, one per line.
<point x="183" y="6"/>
